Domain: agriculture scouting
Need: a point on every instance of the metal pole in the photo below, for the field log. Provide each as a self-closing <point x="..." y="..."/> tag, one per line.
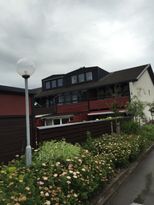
<point x="28" y="146"/>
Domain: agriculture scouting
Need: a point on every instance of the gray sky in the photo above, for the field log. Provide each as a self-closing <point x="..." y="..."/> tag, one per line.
<point x="63" y="35"/>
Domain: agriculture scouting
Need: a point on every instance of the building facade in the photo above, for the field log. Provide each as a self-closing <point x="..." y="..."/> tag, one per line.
<point x="90" y="93"/>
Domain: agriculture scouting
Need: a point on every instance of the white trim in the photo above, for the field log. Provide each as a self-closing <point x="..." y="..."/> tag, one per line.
<point x="143" y="71"/>
<point x="104" y="112"/>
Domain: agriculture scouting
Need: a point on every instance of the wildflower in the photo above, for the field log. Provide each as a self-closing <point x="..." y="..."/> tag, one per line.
<point x="40" y="182"/>
<point x="57" y="163"/>
<point x="46" y="194"/>
<point x="47" y="203"/>
<point x="45" y="178"/>
<point x="43" y="164"/>
<point x="75" y="195"/>
<point x="68" y="182"/>
<point x="55" y="175"/>
<point x="27" y="188"/>
<point x="68" y="177"/>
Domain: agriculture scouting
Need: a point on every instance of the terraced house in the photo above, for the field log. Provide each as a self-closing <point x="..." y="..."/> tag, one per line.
<point x="90" y="93"/>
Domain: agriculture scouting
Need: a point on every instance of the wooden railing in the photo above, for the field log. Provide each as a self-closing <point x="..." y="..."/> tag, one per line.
<point x="85" y="106"/>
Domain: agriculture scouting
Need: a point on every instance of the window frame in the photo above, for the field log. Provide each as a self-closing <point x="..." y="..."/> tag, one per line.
<point x="74" y="79"/>
<point x="91" y="76"/>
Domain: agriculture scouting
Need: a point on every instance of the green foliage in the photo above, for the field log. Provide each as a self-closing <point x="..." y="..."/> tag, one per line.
<point x="120" y="148"/>
<point x="64" y="181"/>
<point x="68" y="174"/>
<point x="135" y="108"/>
<point x="147" y="132"/>
<point x="54" y="150"/>
<point x="130" y="127"/>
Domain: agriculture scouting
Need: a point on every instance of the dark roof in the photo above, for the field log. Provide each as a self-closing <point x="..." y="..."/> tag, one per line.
<point x="85" y="69"/>
<point x="36" y="90"/>
<point x="9" y="89"/>
<point x="121" y="76"/>
<point x="126" y="75"/>
<point x="54" y="76"/>
<point x="66" y="89"/>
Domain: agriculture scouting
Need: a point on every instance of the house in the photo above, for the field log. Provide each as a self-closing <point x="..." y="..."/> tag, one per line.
<point x="12" y="121"/>
<point x="90" y="93"/>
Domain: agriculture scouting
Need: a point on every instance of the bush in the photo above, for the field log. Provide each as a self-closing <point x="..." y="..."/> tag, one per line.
<point x="130" y="127"/>
<point x="56" y="150"/>
<point x="120" y="148"/>
<point x="55" y="181"/>
<point x="147" y="132"/>
<point x="63" y="173"/>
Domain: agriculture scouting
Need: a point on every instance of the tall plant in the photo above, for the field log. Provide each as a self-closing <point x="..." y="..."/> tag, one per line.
<point x="136" y="109"/>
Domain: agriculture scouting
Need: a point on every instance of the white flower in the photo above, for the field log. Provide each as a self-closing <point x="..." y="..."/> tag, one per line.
<point x="46" y="194"/>
<point x="68" y="177"/>
<point x="47" y="203"/>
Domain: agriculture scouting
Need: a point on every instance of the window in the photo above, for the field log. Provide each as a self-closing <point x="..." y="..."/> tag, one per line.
<point x="74" y="98"/>
<point x="53" y="82"/>
<point x="47" y="85"/>
<point x="60" y="82"/>
<point x="60" y="99"/>
<point x="81" y="77"/>
<point x="67" y="98"/>
<point x="65" y="120"/>
<point x="89" y="76"/>
<point x="74" y="79"/>
<point x="56" y="121"/>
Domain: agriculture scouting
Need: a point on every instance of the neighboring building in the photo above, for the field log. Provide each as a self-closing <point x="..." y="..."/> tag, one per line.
<point x="13" y="122"/>
<point x="90" y="92"/>
<point x="12" y="101"/>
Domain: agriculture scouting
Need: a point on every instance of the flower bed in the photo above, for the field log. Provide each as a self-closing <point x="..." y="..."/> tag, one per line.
<point x="67" y="174"/>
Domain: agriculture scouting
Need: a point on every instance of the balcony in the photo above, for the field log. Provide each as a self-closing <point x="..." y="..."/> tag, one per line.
<point x="83" y="107"/>
<point x="44" y="110"/>
<point x="72" y="108"/>
<point x="121" y="102"/>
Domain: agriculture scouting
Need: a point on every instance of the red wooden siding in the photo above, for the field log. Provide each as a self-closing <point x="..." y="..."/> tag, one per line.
<point x="13" y="136"/>
<point x="72" y="108"/>
<point x="75" y="132"/>
<point x="107" y="103"/>
<point x="12" y="104"/>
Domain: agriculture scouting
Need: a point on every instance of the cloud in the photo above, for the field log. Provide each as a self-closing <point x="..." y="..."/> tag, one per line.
<point x="64" y="35"/>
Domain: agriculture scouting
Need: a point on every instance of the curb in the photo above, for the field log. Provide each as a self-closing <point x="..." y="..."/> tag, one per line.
<point x="104" y="195"/>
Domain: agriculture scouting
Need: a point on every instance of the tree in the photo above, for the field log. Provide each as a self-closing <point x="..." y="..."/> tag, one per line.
<point x="136" y="108"/>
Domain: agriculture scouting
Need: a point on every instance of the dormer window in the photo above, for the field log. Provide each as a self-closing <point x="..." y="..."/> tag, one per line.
<point x="74" y="79"/>
<point x="60" y="82"/>
<point x="81" y="77"/>
<point x="47" y="85"/>
<point x="89" y="76"/>
<point x="53" y="83"/>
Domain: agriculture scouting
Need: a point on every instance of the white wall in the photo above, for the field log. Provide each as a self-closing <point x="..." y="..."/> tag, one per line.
<point x="144" y="90"/>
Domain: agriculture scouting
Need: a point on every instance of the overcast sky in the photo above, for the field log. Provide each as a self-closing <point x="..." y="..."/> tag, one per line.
<point x="63" y="35"/>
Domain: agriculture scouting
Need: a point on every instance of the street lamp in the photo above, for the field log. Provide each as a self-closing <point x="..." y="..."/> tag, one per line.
<point x="25" y="68"/>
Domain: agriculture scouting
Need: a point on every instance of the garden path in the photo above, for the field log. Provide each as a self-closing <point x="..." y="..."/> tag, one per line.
<point x="138" y="189"/>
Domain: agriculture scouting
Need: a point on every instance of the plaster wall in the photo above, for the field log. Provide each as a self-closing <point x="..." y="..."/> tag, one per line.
<point x="144" y="90"/>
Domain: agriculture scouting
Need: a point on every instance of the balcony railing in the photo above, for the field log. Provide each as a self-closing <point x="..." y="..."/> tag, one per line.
<point x="86" y="106"/>
<point x="121" y="102"/>
<point x="44" y="110"/>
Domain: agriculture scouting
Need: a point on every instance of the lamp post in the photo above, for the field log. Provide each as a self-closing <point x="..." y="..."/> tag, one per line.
<point x="25" y="68"/>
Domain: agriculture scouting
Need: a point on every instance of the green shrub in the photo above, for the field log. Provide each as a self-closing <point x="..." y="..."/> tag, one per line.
<point x="55" y="150"/>
<point x="121" y="148"/>
<point x="130" y="127"/>
<point x="68" y="181"/>
<point x="63" y="173"/>
<point x="147" y="132"/>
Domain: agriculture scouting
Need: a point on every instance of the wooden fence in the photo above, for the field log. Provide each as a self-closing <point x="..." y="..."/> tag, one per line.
<point x="75" y="132"/>
<point x="13" y="137"/>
